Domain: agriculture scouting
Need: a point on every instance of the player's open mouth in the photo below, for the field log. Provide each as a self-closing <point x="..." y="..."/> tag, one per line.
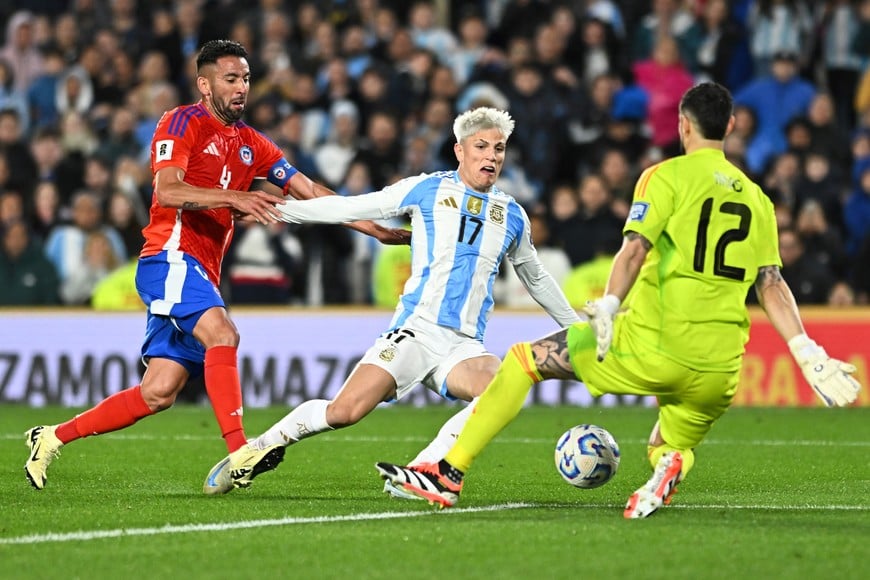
<point x="488" y="169"/>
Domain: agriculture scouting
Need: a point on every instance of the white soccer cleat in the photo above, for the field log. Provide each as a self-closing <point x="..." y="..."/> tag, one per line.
<point x="659" y="490"/>
<point x="218" y="481"/>
<point x="44" y="447"/>
<point x="397" y="492"/>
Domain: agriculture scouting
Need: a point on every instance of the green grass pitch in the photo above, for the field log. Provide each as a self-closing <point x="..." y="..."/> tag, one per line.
<point x="775" y="493"/>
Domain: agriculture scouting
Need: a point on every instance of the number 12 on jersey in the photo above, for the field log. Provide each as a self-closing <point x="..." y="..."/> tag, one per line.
<point x="720" y="268"/>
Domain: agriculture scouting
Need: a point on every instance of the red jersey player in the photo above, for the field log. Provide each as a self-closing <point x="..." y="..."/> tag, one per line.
<point x="204" y="161"/>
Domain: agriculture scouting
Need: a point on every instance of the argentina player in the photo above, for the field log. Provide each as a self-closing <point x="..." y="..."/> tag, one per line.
<point x="462" y="229"/>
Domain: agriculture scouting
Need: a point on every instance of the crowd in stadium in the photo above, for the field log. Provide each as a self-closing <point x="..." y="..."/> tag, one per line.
<point x="359" y="93"/>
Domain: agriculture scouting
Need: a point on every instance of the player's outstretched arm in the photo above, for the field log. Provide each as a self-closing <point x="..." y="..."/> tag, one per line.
<point x="172" y="191"/>
<point x="302" y="187"/>
<point x="830" y="378"/>
<point x="623" y="273"/>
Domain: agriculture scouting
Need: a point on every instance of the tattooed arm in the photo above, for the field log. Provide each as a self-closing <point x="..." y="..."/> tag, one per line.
<point x="778" y="302"/>
<point x="172" y="191"/>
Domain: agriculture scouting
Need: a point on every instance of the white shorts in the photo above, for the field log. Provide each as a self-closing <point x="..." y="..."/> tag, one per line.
<point x="422" y="352"/>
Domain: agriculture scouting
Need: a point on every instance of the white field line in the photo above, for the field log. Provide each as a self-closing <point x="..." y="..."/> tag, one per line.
<point x="86" y="536"/>
<point x="508" y="440"/>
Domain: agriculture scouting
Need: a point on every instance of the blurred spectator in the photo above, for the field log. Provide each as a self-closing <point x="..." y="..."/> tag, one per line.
<point x="65" y="247"/>
<point x="11" y="207"/>
<point x="120" y="139"/>
<point x="29" y="279"/>
<point x="117" y="291"/>
<point x="66" y="41"/>
<point x="436" y="129"/>
<point x="334" y="82"/>
<point x="609" y="12"/>
<point x="426" y="32"/>
<point x="838" y="28"/>
<point x="588" y="280"/>
<point x="595" y="52"/>
<point x="472" y="47"/>
<point x="856" y="211"/>
<point x="782" y="179"/>
<point x="841" y="295"/>
<point x="14" y="147"/>
<point x="827" y="135"/>
<point x="619" y="179"/>
<point x="12" y="99"/>
<point x="264" y="263"/>
<point x="818" y="184"/>
<point x="121" y="215"/>
<point x="521" y="18"/>
<point x="666" y="19"/>
<point x="775" y="99"/>
<point x="809" y="279"/>
<point x="334" y="156"/>
<point x="822" y="243"/>
<point x="665" y="79"/>
<point x="46" y="210"/>
<point x="540" y="116"/>
<point x="777" y="27"/>
<point x="381" y="151"/>
<point x="74" y="91"/>
<point x="42" y="94"/>
<point x="98" y="261"/>
<point x="21" y="51"/>
<point x="716" y="36"/>
<point x="623" y="128"/>
<point x="354" y="49"/>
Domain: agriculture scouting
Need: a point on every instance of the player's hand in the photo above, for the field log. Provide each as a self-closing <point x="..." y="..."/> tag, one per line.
<point x="257" y="204"/>
<point x="392" y="236"/>
<point x="601" y="313"/>
<point x="830" y="378"/>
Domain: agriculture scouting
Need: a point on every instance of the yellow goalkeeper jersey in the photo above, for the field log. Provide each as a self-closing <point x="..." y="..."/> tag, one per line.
<point x="711" y="228"/>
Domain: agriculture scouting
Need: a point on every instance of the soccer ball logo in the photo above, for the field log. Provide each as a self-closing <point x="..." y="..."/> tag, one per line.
<point x="587" y="456"/>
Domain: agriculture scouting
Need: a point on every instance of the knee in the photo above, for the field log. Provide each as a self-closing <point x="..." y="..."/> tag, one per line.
<point x="159" y="398"/>
<point x="340" y="415"/>
<point x="227" y="335"/>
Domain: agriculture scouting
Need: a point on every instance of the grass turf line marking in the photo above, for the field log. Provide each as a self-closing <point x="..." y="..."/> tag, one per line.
<point x="507" y="440"/>
<point x="85" y="536"/>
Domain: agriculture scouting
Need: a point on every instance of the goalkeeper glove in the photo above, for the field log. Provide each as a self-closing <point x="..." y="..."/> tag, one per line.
<point x="830" y="378"/>
<point x="600" y="313"/>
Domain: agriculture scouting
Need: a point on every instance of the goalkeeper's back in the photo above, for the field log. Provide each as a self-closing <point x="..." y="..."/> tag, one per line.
<point x="711" y="228"/>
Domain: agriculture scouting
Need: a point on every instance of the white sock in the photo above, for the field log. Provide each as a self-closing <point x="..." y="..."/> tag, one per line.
<point x="306" y="420"/>
<point x="438" y="448"/>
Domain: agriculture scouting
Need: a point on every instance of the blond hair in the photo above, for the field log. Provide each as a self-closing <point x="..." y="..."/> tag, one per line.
<point x="470" y="122"/>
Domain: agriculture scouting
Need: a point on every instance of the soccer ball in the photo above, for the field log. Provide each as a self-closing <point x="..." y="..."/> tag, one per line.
<point x="587" y="456"/>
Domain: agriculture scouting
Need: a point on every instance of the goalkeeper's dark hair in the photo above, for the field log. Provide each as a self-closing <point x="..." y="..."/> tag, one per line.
<point x="709" y="106"/>
<point x="212" y="50"/>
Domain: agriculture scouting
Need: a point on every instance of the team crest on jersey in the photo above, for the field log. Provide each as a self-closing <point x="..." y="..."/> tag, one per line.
<point x="246" y="154"/>
<point x="163" y="150"/>
<point x="638" y="211"/>
<point x="387" y="354"/>
<point x="496" y="213"/>
<point x="279" y="173"/>
<point x="474" y="205"/>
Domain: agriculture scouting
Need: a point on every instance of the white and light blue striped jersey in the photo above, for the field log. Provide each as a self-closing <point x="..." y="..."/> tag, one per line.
<point x="458" y="239"/>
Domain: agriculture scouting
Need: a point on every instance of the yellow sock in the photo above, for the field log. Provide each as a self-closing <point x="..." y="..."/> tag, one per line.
<point x="499" y="404"/>
<point x="655" y="453"/>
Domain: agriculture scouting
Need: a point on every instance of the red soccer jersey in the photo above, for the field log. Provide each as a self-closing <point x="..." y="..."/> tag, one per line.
<point x="212" y="155"/>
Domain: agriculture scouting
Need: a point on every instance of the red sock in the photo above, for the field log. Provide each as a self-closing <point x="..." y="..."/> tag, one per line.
<point x="115" y="412"/>
<point x="225" y="393"/>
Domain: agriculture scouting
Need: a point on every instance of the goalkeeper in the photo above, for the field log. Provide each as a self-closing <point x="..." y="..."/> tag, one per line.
<point x="698" y="235"/>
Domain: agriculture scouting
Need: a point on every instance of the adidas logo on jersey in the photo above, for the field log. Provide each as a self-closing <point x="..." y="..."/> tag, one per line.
<point x="212" y="150"/>
<point x="449" y="202"/>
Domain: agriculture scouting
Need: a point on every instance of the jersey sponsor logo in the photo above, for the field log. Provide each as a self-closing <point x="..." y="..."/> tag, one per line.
<point x="474" y="204"/>
<point x="496" y="213"/>
<point x="638" y="211"/>
<point x="163" y="150"/>
<point x="448" y="202"/>
<point x="246" y="154"/>
<point x="388" y="354"/>
<point x="212" y="150"/>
